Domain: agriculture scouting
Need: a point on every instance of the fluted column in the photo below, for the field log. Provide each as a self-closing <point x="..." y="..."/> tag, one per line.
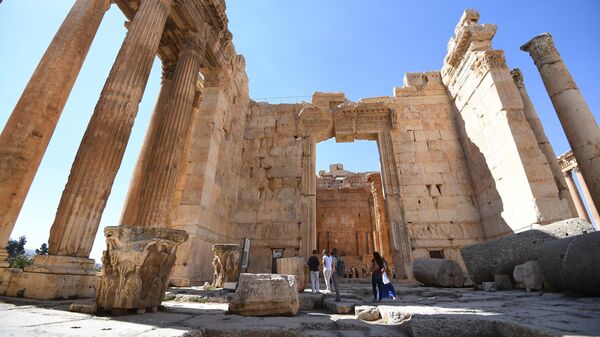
<point x="161" y="172"/>
<point x="101" y="151"/>
<point x="28" y="130"/>
<point x="586" y="194"/>
<point x="575" y="116"/>
<point x="579" y="206"/>
<point x="133" y="194"/>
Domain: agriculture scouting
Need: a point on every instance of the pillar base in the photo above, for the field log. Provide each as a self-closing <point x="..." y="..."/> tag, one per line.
<point x="18" y="283"/>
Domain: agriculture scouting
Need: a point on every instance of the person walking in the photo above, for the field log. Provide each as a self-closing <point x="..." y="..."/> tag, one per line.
<point x="377" y="268"/>
<point x="327" y="269"/>
<point x="313" y="267"/>
<point x="388" y="287"/>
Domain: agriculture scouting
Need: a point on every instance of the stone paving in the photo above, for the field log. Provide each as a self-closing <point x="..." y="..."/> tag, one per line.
<point x="418" y="311"/>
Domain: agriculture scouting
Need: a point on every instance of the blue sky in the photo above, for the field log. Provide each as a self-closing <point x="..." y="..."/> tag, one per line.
<point x="292" y="48"/>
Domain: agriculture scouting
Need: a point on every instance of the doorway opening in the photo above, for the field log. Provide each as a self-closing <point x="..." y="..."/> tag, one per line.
<point x="350" y="205"/>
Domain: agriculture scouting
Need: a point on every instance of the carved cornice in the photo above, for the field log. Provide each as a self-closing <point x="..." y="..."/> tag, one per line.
<point x="567" y="161"/>
<point x="542" y="49"/>
<point x="488" y="60"/>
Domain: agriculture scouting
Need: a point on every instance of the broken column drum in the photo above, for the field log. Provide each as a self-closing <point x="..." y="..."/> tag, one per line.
<point x="137" y="263"/>
<point x="226" y="264"/>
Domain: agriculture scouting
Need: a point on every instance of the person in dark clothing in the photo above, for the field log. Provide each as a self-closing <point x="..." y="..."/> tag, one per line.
<point x="377" y="267"/>
<point x="313" y="267"/>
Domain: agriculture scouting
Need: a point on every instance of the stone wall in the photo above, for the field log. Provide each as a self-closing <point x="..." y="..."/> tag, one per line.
<point x="275" y="196"/>
<point x="207" y="192"/>
<point x="512" y="181"/>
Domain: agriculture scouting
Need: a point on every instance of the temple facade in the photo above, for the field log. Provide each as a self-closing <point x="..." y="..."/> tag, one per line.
<point x="463" y="155"/>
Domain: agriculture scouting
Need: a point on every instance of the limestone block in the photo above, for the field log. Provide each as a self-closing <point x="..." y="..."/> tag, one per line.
<point x="310" y="301"/>
<point x="137" y="265"/>
<point x="342" y="307"/>
<point x="500" y="256"/>
<point x="367" y="313"/>
<point x="438" y="272"/>
<point x="489" y="286"/>
<point x="265" y="295"/>
<point x="528" y="275"/>
<point x="226" y="264"/>
<point x="572" y="263"/>
<point x="503" y="282"/>
<point x="294" y="266"/>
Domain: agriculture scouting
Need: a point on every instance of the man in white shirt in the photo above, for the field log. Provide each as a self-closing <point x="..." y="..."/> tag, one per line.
<point x="327" y="269"/>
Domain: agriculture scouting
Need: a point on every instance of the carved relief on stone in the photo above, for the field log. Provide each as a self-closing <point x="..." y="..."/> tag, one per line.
<point x="313" y="121"/>
<point x="542" y="49"/>
<point x="488" y="60"/>
<point x="136" y="266"/>
<point x="226" y="264"/>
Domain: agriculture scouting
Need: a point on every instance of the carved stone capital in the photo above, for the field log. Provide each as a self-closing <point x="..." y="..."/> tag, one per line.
<point x="488" y="60"/>
<point x="136" y="266"/>
<point x="190" y="41"/>
<point x="517" y="76"/>
<point x="168" y="68"/>
<point x="226" y="264"/>
<point x="542" y="49"/>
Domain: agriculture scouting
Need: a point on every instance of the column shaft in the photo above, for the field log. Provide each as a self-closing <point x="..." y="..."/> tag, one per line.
<point x="588" y="197"/>
<point x="162" y="170"/>
<point x="130" y="208"/>
<point x="575" y="116"/>
<point x="534" y="122"/>
<point x="579" y="206"/>
<point x="103" y="145"/>
<point x="31" y="125"/>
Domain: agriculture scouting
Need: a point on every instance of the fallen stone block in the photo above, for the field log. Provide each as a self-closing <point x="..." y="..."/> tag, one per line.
<point x="503" y="282"/>
<point x="438" y="272"/>
<point x="84" y="308"/>
<point x="342" y="307"/>
<point x="265" y="295"/>
<point x="367" y="313"/>
<point x="572" y="263"/>
<point x="294" y="266"/>
<point x="500" y="256"/>
<point x="528" y="275"/>
<point x="394" y="315"/>
<point x="489" y="286"/>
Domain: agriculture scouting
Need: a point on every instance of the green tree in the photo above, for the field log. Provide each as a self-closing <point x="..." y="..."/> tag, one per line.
<point x="16" y="247"/>
<point x="43" y="250"/>
<point x="20" y="261"/>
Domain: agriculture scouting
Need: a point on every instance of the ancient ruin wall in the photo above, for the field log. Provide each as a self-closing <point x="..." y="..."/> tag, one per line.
<point x="207" y="192"/>
<point x="512" y="181"/>
<point x="435" y="187"/>
<point x="275" y="199"/>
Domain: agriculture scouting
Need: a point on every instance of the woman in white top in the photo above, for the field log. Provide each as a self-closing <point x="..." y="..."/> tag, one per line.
<point x="327" y="268"/>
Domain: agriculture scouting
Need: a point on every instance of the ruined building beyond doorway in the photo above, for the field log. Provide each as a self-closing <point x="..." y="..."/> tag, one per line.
<point x="463" y="156"/>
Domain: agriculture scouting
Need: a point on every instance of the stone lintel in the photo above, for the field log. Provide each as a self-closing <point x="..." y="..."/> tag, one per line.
<point x="46" y="286"/>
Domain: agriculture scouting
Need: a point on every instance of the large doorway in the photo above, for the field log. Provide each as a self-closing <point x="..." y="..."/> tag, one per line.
<point x="350" y="207"/>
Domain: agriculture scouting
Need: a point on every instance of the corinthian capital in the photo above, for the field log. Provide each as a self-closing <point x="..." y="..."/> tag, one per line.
<point x="517" y="76"/>
<point x="189" y="40"/>
<point x="542" y="49"/>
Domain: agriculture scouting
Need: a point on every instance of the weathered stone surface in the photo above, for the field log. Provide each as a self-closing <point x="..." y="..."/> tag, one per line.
<point x="265" y="295"/>
<point x="343" y="307"/>
<point x="309" y="301"/>
<point x="84" y="308"/>
<point x="528" y="275"/>
<point x="137" y="264"/>
<point x="489" y="286"/>
<point x="226" y="264"/>
<point x="438" y="272"/>
<point x="572" y="263"/>
<point x="503" y="282"/>
<point x="294" y="266"/>
<point x="367" y="313"/>
<point x="500" y="256"/>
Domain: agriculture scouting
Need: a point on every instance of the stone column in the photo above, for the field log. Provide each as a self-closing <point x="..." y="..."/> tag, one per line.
<point x="161" y="172"/>
<point x="400" y="240"/>
<point x="588" y="197"/>
<point x="133" y="194"/>
<point x="28" y="130"/>
<point x="579" y="206"/>
<point x="101" y="151"/>
<point x="575" y="116"/>
<point x="538" y="131"/>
